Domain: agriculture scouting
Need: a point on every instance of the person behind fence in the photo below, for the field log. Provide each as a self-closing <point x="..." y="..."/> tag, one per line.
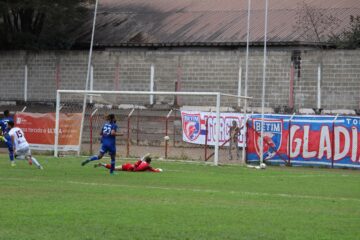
<point x="142" y="165"/>
<point x="108" y="141"/>
<point x="234" y="132"/>
<point x="20" y="145"/>
<point x="4" y="135"/>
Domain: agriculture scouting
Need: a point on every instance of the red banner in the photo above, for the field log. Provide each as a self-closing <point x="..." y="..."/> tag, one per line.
<point x="39" y="130"/>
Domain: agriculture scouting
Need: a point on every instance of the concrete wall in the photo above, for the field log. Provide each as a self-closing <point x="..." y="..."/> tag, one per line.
<point x="195" y="69"/>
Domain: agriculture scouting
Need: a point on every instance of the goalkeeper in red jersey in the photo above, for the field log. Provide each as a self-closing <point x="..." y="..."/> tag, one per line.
<point x="142" y="165"/>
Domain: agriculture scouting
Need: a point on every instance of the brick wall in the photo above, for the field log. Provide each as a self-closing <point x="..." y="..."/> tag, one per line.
<point x="196" y="70"/>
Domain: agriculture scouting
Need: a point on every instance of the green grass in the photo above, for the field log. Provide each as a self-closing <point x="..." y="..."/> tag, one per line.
<point x="186" y="201"/>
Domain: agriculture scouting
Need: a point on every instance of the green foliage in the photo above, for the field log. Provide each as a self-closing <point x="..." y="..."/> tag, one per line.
<point x="186" y="201"/>
<point x="40" y="24"/>
<point x="350" y="37"/>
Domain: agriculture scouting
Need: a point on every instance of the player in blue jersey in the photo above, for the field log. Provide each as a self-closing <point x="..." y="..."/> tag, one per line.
<point x="108" y="141"/>
<point x="4" y="134"/>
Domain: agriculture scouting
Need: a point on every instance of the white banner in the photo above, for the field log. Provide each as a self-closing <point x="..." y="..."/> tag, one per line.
<point x="194" y="127"/>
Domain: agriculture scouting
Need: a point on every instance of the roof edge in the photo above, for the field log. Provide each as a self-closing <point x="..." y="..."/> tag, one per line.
<point x="208" y="44"/>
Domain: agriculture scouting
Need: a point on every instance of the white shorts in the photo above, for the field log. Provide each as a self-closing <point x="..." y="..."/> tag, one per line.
<point x="23" y="151"/>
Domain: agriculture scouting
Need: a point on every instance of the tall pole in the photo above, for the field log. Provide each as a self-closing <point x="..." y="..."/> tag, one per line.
<point x="25" y="82"/>
<point x="263" y="86"/>
<point x="217" y="138"/>
<point x="91" y="82"/>
<point x="239" y="83"/>
<point x="57" y="123"/>
<point x="91" y="46"/>
<point x="247" y="50"/>
<point x="88" y="75"/>
<point x="319" y="88"/>
<point x="152" y="74"/>
<point x="246" y="78"/>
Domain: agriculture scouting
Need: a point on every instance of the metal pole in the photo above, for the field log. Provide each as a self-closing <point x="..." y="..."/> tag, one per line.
<point x="91" y="130"/>
<point x="91" y="134"/>
<point x="91" y="45"/>
<point x="128" y="133"/>
<point x="333" y="142"/>
<point x="289" y="138"/>
<point x="246" y="77"/>
<point x="174" y="129"/>
<point x="91" y="82"/>
<point x="25" y="82"/>
<point x="56" y="140"/>
<point x="137" y="126"/>
<point x="88" y="75"/>
<point x="166" y="133"/>
<point x="178" y="83"/>
<point x="216" y="157"/>
<point x="152" y="73"/>
<point x="247" y="49"/>
<point x="244" y="137"/>
<point x="239" y="84"/>
<point x="57" y="76"/>
<point x="263" y="86"/>
<point x="206" y="138"/>
<point x="319" y="87"/>
<point x="291" y="90"/>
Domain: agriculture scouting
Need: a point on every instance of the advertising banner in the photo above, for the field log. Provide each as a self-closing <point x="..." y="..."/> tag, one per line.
<point x="306" y="140"/>
<point x="39" y="130"/>
<point x="195" y="123"/>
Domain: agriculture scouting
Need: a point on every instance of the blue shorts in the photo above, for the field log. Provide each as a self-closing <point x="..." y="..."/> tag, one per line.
<point x="108" y="148"/>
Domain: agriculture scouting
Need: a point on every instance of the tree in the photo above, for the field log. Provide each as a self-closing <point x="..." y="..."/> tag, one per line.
<point x="315" y="24"/>
<point x="350" y="37"/>
<point x="40" y="24"/>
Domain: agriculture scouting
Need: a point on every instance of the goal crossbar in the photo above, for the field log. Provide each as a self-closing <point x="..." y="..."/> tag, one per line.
<point x="95" y="92"/>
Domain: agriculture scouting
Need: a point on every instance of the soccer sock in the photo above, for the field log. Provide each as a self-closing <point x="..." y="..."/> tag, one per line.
<point x="112" y="164"/>
<point x="35" y="161"/>
<point x="93" y="158"/>
<point x="11" y="156"/>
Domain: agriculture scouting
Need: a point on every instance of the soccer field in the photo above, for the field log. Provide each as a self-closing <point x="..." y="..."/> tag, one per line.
<point x="186" y="201"/>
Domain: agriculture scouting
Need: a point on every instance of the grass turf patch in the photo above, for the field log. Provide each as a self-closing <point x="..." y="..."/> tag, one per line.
<point x="186" y="201"/>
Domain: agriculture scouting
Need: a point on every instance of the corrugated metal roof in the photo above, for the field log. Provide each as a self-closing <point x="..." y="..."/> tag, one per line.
<point x="210" y="22"/>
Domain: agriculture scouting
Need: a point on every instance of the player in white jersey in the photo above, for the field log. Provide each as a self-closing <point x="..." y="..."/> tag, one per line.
<point x="20" y="145"/>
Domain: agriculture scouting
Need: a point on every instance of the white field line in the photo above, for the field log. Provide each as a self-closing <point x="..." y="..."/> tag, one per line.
<point x="277" y="176"/>
<point x="281" y="195"/>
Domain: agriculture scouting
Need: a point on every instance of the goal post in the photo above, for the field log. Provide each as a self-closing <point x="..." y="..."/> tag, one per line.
<point x="72" y="101"/>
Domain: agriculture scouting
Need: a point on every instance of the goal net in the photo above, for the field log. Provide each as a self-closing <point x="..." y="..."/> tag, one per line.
<point x="192" y="126"/>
